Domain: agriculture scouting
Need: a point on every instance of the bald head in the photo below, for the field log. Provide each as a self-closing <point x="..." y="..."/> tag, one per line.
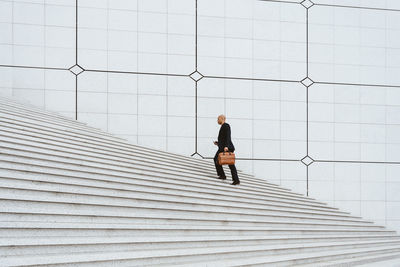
<point x="221" y="119"/>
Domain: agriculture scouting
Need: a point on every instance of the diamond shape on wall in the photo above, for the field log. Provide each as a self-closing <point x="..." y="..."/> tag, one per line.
<point x="307" y="3"/>
<point x="197" y="155"/>
<point x="307" y="82"/>
<point x="76" y="69"/>
<point x="196" y="76"/>
<point x="307" y="160"/>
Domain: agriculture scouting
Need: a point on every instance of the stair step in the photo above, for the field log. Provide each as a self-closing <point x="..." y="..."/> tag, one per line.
<point x="64" y="139"/>
<point x="158" y="208"/>
<point x="221" y="255"/>
<point x="8" y="143"/>
<point x="35" y="158"/>
<point x="298" y="259"/>
<point x="187" y="241"/>
<point x="51" y="229"/>
<point x="171" y="193"/>
<point x="12" y="149"/>
<point x="383" y="259"/>
<point x="50" y="119"/>
<point x="267" y="186"/>
<point x="87" y="139"/>
<point x="40" y="210"/>
<point x="10" y="104"/>
<point x="216" y="186"/>
<point x="88" y="132"/>
<point x="114" y="138"/>
<point x="80" y="212"/>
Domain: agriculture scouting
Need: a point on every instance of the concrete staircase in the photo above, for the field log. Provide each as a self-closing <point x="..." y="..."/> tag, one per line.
<point x="73" y="195"/>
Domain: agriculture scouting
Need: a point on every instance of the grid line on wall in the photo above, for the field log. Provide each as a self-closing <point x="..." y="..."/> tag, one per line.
<point x="196" y="76"/>
<point x="335" y="5"/>
<point x="76" y="58"/>
<point x="358" y="7"/>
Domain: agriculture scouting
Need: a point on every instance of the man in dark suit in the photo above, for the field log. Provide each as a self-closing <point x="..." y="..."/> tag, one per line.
<point x="224" y="143"/>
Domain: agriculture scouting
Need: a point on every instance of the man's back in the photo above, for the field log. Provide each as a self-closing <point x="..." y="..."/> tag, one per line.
<point x="224" y="138"/>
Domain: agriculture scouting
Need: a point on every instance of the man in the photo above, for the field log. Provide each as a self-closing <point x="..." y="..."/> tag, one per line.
<point x="224" y="143"/>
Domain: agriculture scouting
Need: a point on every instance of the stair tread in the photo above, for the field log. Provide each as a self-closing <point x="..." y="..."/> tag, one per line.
<point x="139" y="202"/>
<point x="88" y="145"/>
<point x="214" y="185"/>
<point x="74" y="240"/>
<point x="134" y="164"/>
<point x="266" y="205"/>
<point x="186" y="179"/>
<point x="170" y="191"/>
<point x="117" y="140"/>
<point x="14" y="102"/>
<point x="58" y="225"/>
<point x="171" y="154"/>
<point x="107" y="256"/>
<point x="382" y="260"/>
<point x="271" y="259"/>
<point x="57" y="196"/>
<point x="197" y="218"/>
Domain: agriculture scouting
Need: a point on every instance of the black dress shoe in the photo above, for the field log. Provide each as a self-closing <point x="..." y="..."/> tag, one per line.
<point x="235" y="183"/>
<point x="221" y="178"/>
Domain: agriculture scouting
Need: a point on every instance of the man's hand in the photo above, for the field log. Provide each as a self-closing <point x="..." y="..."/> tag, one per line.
<point x="226" y="149"/>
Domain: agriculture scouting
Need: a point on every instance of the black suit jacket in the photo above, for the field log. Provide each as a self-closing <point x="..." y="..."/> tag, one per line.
<point x="224" y="138"/>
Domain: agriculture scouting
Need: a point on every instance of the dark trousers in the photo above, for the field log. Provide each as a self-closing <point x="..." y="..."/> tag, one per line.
<point x="220" y="170"/>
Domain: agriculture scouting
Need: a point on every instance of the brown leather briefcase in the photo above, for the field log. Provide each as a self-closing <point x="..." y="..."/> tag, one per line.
<point x="226" y="158"/>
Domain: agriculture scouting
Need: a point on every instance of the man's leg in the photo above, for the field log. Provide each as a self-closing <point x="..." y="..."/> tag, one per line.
<point x="235" y="177"/>
<point x="220" y="170"/>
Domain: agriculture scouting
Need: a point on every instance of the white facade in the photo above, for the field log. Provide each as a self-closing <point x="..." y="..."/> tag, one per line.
<point x="137" y="58"/>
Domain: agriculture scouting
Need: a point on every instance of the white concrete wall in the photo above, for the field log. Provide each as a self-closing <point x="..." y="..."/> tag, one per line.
<point x="138" y="55"/>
